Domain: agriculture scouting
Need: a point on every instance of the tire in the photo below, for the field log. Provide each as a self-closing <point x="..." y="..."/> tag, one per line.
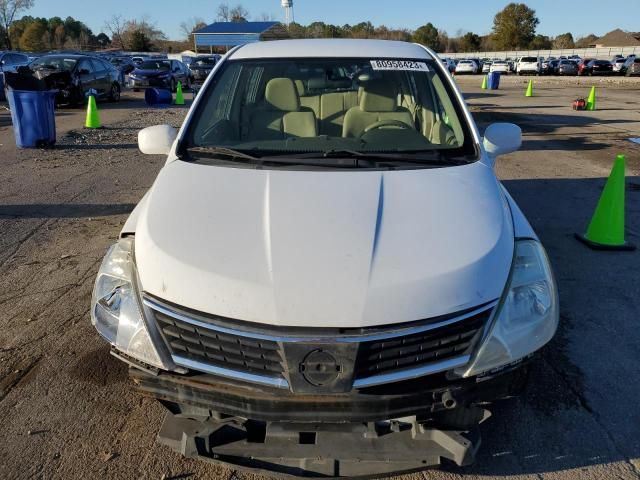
<point x="114" y="93"/>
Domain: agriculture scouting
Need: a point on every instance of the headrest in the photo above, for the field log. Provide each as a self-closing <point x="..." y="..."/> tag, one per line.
<point x="317" y="83"/>
<point x="281" y="95"/>
<point x="378" y="96"/>
<point x="300" y="87"/>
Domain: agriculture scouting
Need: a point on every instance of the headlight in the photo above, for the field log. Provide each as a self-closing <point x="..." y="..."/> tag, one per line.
<point x="527" y="315"/>
<point x="115" y="310"/>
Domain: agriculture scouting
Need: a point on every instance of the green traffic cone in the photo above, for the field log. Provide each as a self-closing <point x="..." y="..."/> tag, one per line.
<point x="179" y="95"/>
<point x="529" y="92"/>
<point x="606" y="230"/>
<point x="93" y="117"/>
<point x="591" y="101"/>
<point x="484" y="83"/>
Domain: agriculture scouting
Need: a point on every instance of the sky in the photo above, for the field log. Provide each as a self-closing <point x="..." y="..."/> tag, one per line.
<point x="581" y="17"/>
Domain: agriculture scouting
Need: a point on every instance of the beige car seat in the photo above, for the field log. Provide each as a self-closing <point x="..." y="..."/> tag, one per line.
<point x="281" y="116"/>
<point x="378" y="102"/>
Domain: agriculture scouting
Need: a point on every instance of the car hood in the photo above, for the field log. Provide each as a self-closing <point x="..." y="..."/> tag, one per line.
<point x="150" y="73"/>
<point x="324" y="248"/>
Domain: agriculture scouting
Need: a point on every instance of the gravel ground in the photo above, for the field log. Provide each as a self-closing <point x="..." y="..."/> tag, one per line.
<point x="66" y="405"/>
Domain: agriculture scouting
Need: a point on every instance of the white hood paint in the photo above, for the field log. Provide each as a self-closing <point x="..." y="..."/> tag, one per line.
<point x="325" y="249"/>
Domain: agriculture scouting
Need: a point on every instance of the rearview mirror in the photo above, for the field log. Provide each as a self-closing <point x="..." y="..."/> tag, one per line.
<point x="157" y="140"/>
<point x="502" y="138"/>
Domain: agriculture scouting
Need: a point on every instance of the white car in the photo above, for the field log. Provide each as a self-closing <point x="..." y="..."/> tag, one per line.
<point x="486" y="67"/>
<point x="528" y="65"/>
<point x="500" y="66"/>
<point x="326" y="277"/>
<point x="466" y="66"/>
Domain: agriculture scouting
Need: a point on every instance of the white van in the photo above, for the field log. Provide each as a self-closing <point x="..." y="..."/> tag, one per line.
<point x="327" y="278"/>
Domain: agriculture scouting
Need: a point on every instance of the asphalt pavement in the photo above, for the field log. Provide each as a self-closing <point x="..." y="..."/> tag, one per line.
<point x="67" y="408"/>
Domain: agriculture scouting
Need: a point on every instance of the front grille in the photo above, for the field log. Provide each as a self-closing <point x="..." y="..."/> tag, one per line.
<point x="220" y="349"/>
<point x="412" y="351"/>
<point x="256" y="353"/>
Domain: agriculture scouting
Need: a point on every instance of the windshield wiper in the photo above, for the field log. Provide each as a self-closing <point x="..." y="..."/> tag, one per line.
<point x="435" y="157"/>
<point x="227" y="152"/>
<point x="286" y="158"/>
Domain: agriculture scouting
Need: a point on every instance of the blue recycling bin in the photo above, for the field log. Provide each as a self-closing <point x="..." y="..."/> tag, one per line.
<point x="493" y="81"/>
<point x="157" y="97"/>
<point x="33" y="117"/>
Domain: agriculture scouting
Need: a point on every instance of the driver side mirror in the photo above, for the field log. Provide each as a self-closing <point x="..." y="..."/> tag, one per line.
<point x="157" y="140"/>
<point x="83" y="71"/>
<point x="502" y="138"/>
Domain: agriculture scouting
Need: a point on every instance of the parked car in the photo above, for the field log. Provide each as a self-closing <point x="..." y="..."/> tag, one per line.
<point x="160" y="73"/>
<point x="567" y="67"/>
<point x="634" y="68"/>
<point x="262" y="291"/>
<point x="621" y="66"/>
<point x="528" y="65"/>
<point x="486" y="67"/>
<point x="600" y="67"/>
<point x="124" y="65"/>
<point x="466" y="66"/>
<point x="449" y="64"/>
<point x="500" y="66"/>
<point x="77" y="76"/>
<point x="583" y="66"/>
<point x="200" y="67"/>
<point x="9" y="61"/>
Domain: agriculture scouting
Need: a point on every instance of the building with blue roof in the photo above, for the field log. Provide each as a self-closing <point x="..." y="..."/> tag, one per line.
<point x="230" y="34"/>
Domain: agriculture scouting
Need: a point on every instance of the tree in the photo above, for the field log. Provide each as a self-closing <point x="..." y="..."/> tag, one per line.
<point x="564" y="41"/>
<point x="224" y="14"/>
<point x="32" y="40"/>
<point x="116" y="26"/>
<point x="540" y="42"/>
<point x="239" y="14"/>
<point x="103" y="40"/>
<point x="140" y="42"/>
<point x="514" y="27"/>
<point x="428" y="36"/>
<point x="8" y="11"/>
<point x="587" y="41"/>
<point x="189" y="26"/>
<point x="470" y="42"/>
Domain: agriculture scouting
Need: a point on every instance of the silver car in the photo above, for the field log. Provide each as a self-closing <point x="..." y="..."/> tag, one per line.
<point x="567" y="67"/>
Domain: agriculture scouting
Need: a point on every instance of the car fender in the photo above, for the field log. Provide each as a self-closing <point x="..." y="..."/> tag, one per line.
<point x="521" y="226"/>
<point x="132" y="222"/>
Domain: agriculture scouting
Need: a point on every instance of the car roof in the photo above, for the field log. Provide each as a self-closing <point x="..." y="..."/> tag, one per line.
<point x="330" y="47"/>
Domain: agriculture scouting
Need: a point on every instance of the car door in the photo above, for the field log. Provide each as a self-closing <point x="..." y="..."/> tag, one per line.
<point x="87" y="77"/>
<point x="103" y="76"/>
<point x="179" y="72"/>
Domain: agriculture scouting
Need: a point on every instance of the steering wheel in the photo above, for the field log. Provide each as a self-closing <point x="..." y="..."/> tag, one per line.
<point x="386" y="123"/>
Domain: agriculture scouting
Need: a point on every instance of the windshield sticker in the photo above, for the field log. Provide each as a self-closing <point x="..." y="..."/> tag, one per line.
<point x="399" y="65"/>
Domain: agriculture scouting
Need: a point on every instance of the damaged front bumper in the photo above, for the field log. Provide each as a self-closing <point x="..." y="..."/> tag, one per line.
<point x="373" y="431"/>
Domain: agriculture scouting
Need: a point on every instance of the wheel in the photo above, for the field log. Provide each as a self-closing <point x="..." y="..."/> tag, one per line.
<point x="114" y="93"/>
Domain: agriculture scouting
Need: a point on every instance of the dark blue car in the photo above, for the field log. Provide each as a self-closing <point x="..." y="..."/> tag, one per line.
<point x="160" y="74"/>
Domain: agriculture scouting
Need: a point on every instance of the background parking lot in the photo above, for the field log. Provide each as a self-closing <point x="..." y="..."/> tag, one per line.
<point x="66" y="406"/>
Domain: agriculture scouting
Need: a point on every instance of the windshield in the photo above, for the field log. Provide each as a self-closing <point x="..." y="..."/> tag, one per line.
<point x="54" y="63"/>
<point x="155" y="65"/>
<point x="529" y="59"/>
<point x="266" y="107"/>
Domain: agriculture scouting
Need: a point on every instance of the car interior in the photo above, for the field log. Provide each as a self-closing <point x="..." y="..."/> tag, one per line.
<point x="310" y="106"/>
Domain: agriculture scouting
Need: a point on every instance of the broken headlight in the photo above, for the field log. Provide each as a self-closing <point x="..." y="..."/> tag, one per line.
<point x="115" y="309"/>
